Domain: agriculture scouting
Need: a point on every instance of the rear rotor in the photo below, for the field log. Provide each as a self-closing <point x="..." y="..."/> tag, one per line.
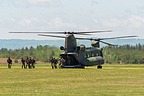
<point x="101" y="39"/>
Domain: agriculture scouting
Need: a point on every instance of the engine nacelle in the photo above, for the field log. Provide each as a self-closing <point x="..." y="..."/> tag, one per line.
<point x="81" y="48"/>
<point x="95" y="44"/>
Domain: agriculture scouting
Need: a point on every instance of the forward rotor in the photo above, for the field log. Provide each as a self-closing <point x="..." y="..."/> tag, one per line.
<point x="67" y="32"/>
<point x="52" y="36"/>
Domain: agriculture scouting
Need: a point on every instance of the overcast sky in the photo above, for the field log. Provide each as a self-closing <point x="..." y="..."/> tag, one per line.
<point x="123" y="17"/>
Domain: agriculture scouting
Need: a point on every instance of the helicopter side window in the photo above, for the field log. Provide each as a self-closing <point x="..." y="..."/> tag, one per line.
<point x="99" y="53"/>
<point x="86" y="56"/>
<point x="93" y="55"/>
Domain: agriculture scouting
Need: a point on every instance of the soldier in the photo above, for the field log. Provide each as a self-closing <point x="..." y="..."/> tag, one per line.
<point x="52" y="62"/>
<point x="62" y="62"/>
<point x="33" y="61"/>
<point x="28" y="63"/>
<point x="9" y="61"/>
<point x="23" y="63"/>
<point x="55" y="63"/>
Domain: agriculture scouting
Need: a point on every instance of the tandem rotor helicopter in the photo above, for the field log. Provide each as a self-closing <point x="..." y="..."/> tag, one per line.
<point x="74" y="56"/>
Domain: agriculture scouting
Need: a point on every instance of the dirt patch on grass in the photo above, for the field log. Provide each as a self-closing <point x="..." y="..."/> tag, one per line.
<point x="3" y="60"/>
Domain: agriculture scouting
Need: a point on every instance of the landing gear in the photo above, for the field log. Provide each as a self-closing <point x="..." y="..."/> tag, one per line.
<point x="99" y="67"/>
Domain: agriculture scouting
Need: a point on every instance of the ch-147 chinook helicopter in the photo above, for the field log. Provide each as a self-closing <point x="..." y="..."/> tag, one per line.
<point x="74" y="56"/>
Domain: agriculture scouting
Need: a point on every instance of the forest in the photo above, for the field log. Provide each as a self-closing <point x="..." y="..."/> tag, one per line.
<point x="40" y="53"/>
<point x="124" y="54"/>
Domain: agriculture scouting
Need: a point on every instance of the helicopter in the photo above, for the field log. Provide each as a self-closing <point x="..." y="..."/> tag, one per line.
<point x="74" y="56"/>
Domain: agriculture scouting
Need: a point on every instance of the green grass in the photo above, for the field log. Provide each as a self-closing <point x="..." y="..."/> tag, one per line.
<point x="112" y="80"/>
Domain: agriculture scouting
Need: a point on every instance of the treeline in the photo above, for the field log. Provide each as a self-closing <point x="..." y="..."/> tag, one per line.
<point x="125" y="54"/>
<point x="40" y="53"/>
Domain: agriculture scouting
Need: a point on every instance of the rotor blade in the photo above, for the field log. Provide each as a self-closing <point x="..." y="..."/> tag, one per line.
<point x="96" y="40"/>
<point x="41" y="32"/>
<point x="77" y="33"/>
<point x="83" y="38"/>
<point x="88" y="39"/>
<point x="117" y="37"/>
<point x="107" y="43"/>
<point x="60" y="32"/>
<point x="97" y="31"/>
<point x="53" y="33"/>
<point x="52" y="36"/>
<point x="105" y="38"/>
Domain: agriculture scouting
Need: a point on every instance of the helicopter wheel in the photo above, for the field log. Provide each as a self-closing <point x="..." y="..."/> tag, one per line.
<point x="99" y="67"/>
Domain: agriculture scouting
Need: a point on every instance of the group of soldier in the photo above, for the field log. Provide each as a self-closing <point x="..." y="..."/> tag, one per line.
<point x="30" y="62"/>
<point x="57" y="62"/>
<point x="26" y="63"/>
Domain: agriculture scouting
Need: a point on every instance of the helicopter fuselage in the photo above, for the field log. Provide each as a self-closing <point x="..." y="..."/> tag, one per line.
<point x="79" y="56"/>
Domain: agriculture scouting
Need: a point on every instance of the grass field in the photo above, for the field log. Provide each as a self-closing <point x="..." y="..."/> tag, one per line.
<point x="112" y="80"/>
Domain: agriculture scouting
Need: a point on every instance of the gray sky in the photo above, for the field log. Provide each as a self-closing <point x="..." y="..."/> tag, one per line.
<point x="123" y="17"/>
